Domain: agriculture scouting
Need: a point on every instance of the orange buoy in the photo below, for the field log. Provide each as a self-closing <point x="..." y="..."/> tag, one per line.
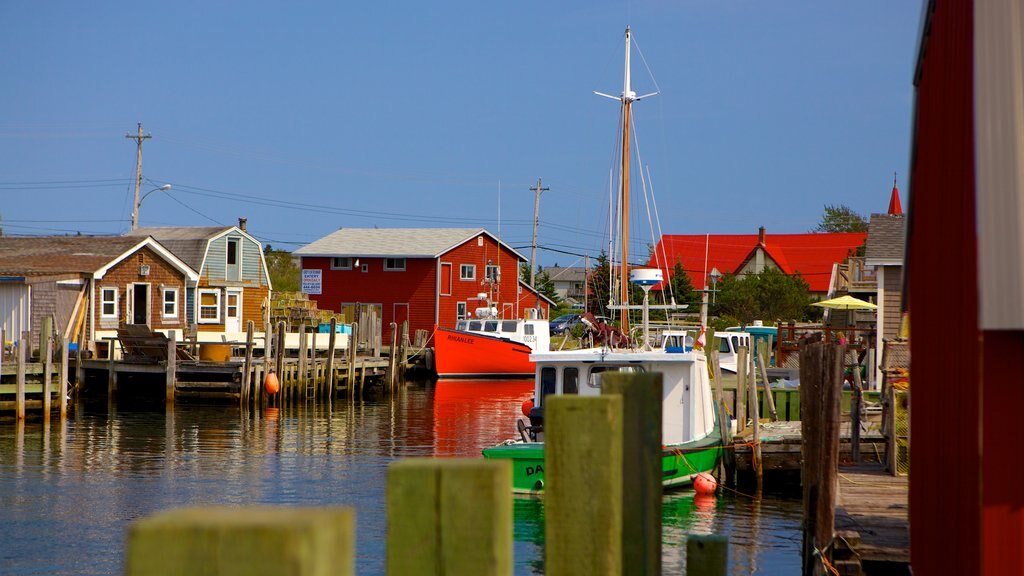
<point x="705" y="484"/>
<point x="271" y="383"/>
<point x="526" y="407"/>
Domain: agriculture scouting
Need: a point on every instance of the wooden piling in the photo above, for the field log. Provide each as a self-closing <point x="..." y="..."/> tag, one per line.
<point x="20" y="385"/>
<point x="172" y="367"/>
<point x="47" y="351"/>
<point x="63" y="386"/>
<point x="741" y="389"/>
<point x="707" y="555"/>
<point x="303" y="365"/>
<point x="821" y="372"/>
<point x="728" y="455"/>
<point x="281" y="377"/>
<point x="583" y="492"/>
<point x="247" y="379"/>
<point x="641" y="468"/>
<point x="449" y="516"/>
<point x="330" y="358"/>
<point x="392" y="358"/>
<point x="315" y="365"/>
<point x="768" y="398"/>
<point x="352" y="345"/>
<point x="755" y="419"/>
<point x="243" y="540"/>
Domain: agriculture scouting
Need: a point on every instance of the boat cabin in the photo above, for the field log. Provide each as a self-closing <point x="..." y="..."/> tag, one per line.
<point x="533" y="333"/>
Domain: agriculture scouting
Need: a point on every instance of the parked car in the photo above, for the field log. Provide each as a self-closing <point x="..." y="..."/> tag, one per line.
<point x="567" y="322"/>
<point x="562" y="323"/>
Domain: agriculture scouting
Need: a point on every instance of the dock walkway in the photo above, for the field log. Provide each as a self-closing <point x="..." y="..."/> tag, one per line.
<point x="874" y="504"/>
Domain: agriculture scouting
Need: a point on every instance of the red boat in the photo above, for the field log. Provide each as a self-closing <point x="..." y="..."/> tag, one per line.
<point x="490" y="348"/>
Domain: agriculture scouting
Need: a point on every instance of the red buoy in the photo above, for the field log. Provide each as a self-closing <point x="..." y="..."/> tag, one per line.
<point x="526" y="407"/>
<point x="705" y="483"/>
<point x="271" y="384"/>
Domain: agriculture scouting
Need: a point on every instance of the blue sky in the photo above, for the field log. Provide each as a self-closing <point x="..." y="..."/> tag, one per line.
<point x="309" y="116"/>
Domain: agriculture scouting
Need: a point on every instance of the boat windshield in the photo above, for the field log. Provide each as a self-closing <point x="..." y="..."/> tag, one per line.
<point x="474" y="325"/>
<point x="460" y="325"/>
<point x="508" y="326"/>
<point x="491" y="326"/>
<point x="594" y="381"/>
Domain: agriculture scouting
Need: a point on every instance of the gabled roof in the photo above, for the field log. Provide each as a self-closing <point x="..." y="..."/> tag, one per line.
<point x="535" y="292"/>
<point x="568" y="274"/>
<point x="190" y="243"/>
<point x="810" y="254"/>
<point x="394" y="242"/>
<point x="887" y="235"/>
<point x="93" y="255"/>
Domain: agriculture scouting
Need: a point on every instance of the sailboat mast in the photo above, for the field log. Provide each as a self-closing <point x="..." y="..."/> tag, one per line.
<point x="627" y="105"/>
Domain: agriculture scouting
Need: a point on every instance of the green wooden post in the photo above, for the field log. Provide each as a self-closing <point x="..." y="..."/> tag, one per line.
<point x="449" y="516"/>
<point x="641" y="468"/>
<point x="707" y="555"/>
<point x="277" y="541"/>
<point x="583" y="492"/>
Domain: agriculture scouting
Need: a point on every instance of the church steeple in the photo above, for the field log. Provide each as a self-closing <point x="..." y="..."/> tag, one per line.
<point x="894" y="200"/>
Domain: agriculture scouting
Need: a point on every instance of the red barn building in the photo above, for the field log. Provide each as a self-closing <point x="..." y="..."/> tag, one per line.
<point x="428" y="276"/>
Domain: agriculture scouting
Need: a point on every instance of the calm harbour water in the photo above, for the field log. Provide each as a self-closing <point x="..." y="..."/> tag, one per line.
<point x="69" y="493"/>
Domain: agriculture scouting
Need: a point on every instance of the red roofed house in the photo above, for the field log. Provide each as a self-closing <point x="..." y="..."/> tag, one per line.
<point x="812" y="255"/>
<point x="430" y="276"/>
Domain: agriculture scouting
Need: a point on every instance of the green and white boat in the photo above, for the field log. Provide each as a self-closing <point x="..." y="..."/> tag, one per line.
<point x="690" y="435"/>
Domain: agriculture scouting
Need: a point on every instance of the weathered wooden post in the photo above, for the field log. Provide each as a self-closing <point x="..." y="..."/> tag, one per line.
<point x="741" y="389"/>
<point x="353" y="343"/>
<point x="63" y="386"/>
<point x="279" y="359"/>
<point x="47" y="351"/>
<point x="856" y="399"/>
<point x="755" y="418"/>
<point x="583" y="491"/>
<point x="403" y="356"/>
<point x="303" y="365"/>
<point x="19" y="399"/>
<point x="641" y="468"/>
<point x="449" y="516"/>
<point x="821" y="377"/>
<point x="768" y="397"/>
<point x="171" y="367"/>
<point x="707" y="555"/>
<point x="330" y="357"/>
<point x="247" y="377"/>
<point x="728" y="455"/>
<point x="243" y="540"/>
<point x="392" y="357"/>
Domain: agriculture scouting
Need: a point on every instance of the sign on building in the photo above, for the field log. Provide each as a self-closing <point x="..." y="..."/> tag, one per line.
<point x="312" y="281"/>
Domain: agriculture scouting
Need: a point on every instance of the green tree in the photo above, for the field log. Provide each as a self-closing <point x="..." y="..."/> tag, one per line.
<point x="841" y="218"/>
<point x="770" y="296"/>
<point x="284" y="274"/>
<point x="597" y="286"/>
<point x="682" y="287"/>
<point x="544" y="284"/>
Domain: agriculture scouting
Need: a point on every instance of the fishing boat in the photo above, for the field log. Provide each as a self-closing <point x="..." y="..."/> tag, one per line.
<point x="489" y="347"/>
<point x="690" y="434"/>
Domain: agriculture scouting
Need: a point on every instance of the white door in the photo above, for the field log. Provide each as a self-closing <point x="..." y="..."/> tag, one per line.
<point x="233" y="310"/>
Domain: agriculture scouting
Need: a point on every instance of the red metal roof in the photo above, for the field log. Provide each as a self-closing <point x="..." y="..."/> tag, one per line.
<point x="810" y="254"/>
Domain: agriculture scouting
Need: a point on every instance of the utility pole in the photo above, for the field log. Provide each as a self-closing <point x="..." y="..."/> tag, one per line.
<point x="533" y="251"/>
<point x="138" y="173"/>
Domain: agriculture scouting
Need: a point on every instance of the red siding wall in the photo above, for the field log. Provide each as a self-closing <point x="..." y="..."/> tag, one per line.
<point x="415" y="286"/>
<point x="966" y="501"/>
<point x="504" y="293"/>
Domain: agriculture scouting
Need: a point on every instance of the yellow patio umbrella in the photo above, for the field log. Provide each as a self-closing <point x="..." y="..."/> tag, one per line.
<point x="846" y="303"/>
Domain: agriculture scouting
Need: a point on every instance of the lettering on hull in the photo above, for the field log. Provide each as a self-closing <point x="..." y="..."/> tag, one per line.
<point x="531" y="470"/>
<point x="461" y="339"/>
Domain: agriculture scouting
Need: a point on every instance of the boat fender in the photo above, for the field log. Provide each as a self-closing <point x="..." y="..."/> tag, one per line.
<point x="271" y="384"/>
<point x="705" y="484"/>
<point x="526" y="407"/>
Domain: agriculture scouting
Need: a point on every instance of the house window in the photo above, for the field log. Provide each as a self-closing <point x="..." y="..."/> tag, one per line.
<point x="209" y="307"/>
<point x="108" y="303"/>
<point x="341" y="263"/>
<point x="460" y="310"/>
<point x="394" y="264"/>
<point x="492" y="272"/>
<point x="232" y="251"/>
<point x="467" y="272"/>
<point x="170" y="303"/>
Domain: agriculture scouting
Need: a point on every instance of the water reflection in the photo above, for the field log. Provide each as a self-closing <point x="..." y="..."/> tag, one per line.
<point x="69" y="490"/>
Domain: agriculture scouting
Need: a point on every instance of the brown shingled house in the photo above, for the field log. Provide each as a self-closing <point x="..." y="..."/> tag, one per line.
<point x="92" y="285"/>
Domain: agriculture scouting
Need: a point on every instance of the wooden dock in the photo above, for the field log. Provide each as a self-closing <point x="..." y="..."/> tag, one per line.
<point x="872" y="514"/>
<point x="781" y="444"/>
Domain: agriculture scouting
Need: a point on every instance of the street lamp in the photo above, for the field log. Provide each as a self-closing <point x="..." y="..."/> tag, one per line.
<point x="715" y="277"/>
<point x="138" y="203"/>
